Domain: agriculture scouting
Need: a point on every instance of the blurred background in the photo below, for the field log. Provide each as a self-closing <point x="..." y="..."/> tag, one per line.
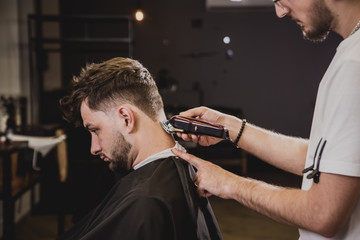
<point x="235" y="56"/>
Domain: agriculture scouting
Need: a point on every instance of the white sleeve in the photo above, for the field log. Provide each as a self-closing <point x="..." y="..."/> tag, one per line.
<point x="342" y="122"/>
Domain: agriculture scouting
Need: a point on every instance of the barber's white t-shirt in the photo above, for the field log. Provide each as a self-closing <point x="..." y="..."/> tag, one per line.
<point x="337" y="121"/>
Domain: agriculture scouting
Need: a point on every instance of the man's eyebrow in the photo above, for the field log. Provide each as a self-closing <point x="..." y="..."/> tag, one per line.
<point x="87" y="126"/>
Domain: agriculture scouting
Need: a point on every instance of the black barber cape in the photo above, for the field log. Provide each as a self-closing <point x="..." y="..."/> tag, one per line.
<point x="156" y="201"/>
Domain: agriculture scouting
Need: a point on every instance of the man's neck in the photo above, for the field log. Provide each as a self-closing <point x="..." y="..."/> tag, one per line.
<point x="347" y="16"/>
<point x="152" y="139"/>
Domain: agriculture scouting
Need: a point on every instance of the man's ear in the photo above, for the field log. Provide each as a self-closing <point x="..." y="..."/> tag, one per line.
<point x="127" y="118"/>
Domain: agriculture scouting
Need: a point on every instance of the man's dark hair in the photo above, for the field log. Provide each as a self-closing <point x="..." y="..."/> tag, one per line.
<point x="104" y="84"/>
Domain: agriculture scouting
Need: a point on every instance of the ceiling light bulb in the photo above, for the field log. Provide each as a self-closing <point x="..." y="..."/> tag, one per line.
<point x="226" y="40"/>
<point x="139" y="15"/>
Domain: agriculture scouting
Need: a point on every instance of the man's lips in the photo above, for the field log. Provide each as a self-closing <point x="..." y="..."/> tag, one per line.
<point x="298" y="22"/>
<point x="106" y="159"/>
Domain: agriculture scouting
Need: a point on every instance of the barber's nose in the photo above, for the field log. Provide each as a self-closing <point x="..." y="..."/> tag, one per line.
<point x="95" y="146"/>
<point x="281" y="11"/>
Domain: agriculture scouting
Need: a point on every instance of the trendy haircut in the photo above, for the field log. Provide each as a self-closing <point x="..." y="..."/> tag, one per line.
<point x="103" y="85"/>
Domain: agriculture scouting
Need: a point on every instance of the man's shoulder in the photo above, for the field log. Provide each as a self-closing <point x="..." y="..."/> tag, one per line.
<point x="161" y="179"/>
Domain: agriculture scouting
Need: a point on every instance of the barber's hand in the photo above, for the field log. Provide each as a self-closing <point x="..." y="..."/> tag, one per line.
<point x="206" y="114"/>
<point x="210" y="179"/>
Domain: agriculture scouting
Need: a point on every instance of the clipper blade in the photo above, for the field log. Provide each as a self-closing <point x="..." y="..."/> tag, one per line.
<point x="167" y="127"/>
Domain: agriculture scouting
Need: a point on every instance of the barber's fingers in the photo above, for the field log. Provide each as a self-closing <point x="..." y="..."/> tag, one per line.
<point x="188" y="137"/>
<point x="193" y="112"/>
<point x="195" y="180"/>
<point x="183" y="136"/>
<point x="201" y="139"/>
<point x="205" y="113"/>
<point x="194" y="138"/>
<point x="201" y="191"/>
<point x="195" y="161"/>
<point x="204" y="193"/>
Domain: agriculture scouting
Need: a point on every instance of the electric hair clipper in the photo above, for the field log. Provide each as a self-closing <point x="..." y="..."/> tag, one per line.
<point x="195" y="126"/>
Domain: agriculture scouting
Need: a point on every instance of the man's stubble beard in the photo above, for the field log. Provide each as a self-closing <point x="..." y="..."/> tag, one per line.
<point x="321" y="19"/>
<point x="120" y="154"/>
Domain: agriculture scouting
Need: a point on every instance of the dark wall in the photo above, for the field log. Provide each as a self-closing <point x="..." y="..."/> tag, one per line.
<point x="272" y="76"/>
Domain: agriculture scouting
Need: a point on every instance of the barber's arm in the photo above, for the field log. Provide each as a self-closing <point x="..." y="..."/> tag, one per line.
<point x="323" y="209"/>
<point x="287" y="153"/>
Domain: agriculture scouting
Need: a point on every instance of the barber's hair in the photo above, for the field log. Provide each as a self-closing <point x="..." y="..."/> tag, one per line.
<point x="103" y="85"/>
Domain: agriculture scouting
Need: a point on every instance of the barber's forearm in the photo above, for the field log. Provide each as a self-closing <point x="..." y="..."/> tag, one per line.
<point x="323" y="209"/>
<point x="287" y="153"/>
<point x="288" y="206"/>
<point x="269" y="200"/>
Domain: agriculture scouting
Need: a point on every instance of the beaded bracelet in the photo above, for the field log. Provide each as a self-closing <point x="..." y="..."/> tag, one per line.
<point x="240" y="132"/>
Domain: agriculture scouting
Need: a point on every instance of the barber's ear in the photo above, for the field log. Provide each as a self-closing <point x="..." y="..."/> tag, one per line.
<point x="127" y="118"/>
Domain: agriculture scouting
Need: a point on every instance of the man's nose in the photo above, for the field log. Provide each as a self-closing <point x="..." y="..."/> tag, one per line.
<point x="95" y="146"/>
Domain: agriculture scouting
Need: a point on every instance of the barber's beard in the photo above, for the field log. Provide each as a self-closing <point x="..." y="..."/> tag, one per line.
<point x="120" y="154"/>
<point x="321" y="19"/>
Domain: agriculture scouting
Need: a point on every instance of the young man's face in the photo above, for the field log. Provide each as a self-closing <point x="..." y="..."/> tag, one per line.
<point x="106" y="138"/>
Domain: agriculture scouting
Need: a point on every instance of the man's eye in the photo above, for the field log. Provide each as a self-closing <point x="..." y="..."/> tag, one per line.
<point x="93" y="131"/>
